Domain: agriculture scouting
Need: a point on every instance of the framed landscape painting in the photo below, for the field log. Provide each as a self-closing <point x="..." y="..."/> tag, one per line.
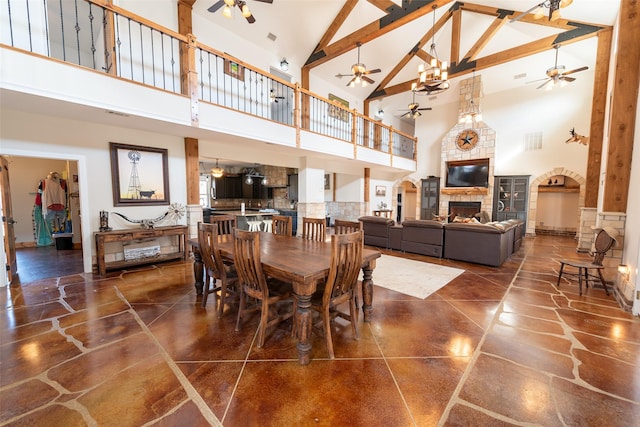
<point x="140" y="175"/>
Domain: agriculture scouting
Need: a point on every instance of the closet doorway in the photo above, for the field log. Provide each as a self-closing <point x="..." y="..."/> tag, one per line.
<point x="47" y="240"/>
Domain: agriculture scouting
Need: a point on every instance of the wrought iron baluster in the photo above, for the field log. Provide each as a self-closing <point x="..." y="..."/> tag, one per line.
<point x="141" y="53"/>
<point x="93" y="43"/>
<point x="77" y="28"/>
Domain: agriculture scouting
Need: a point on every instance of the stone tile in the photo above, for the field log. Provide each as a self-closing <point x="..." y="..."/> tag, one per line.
<point x="344" y="392"/>
<point x="433" y="377"/>
<point x="214" y="381"/>
<point x="609" y="375"/>
<point x="581" y="406"/>
<point x="98" y="332"/>
<point x="480" y="312"/>
<point x="25" y="397"/>
<point x="31" y="357"/>
<point x="612" y="347"/>
<point x="516" y="392"/>
<point x="400" y="330"/>
<point x="134" y="396"/>
<point x="463" y="416"/>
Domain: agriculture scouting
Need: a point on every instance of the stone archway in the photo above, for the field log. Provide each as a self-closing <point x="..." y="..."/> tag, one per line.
<point x="533" y="194"/>
<point x="396" y="188"/>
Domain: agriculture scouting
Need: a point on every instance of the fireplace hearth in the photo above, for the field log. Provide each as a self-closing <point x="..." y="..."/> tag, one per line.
<point x="464" y="209"/>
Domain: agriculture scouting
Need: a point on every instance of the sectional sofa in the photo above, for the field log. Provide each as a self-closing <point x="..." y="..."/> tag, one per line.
<point x="488" y="244"/>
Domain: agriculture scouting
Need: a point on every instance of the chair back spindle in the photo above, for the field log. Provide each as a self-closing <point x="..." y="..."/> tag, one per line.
<point x="314" y="229"/>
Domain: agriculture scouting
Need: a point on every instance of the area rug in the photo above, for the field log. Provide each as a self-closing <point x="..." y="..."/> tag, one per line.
<point x="414" y="278"/>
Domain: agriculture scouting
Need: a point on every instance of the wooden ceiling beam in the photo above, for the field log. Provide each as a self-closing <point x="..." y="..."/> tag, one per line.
<point x="396" y="17"/>
<point x="502" y="57"/>
<point x="456" y="29"/>
<point x="348" y="6"/>
<point x="383" y="5"/>
<point x="574" y="32"/>
<point x="415" y="51"/>
<point x="485" y="38"/>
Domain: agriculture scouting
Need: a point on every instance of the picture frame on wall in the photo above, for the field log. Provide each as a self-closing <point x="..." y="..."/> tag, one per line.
<point x="327" y="181"/>
<point x="139" y="175"/>
<point x="337" y="112"/>
<point x="381" y="190"/>
<point x="234" y="69"/>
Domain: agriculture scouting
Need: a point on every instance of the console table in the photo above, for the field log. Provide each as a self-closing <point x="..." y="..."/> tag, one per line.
<point x="130" y="235"/>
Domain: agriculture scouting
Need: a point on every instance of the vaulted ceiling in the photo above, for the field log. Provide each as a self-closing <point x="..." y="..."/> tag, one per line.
<point x="320" y="38"/>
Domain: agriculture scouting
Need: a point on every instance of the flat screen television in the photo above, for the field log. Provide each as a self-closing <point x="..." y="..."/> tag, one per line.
<point x="468" y="173"/>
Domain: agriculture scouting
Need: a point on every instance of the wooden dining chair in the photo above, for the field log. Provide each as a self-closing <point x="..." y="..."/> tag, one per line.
<point x="226" y="223"/>
<point x="258" y="293"/>
<point x="314" y="229"/>
<point x="282" y="225"/>
<point x="341" y="285"/>
<point x="216" y="268"/>
<point x="341" y="226"/>
<point x="605" y="239"/>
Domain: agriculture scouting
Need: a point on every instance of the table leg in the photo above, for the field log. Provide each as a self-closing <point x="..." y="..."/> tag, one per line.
<point x="302" y="325"/>
<point x="198" y="271"/>
<point x="367" y="289"/>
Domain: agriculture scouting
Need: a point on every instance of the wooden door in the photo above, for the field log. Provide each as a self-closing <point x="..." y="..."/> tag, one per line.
<point x="7" y="221"/>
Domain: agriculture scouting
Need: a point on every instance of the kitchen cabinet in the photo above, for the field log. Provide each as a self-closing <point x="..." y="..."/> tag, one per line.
<point x="229" y="187"/>
<point x="511" y="197"/>
<point x="293" y="186"/>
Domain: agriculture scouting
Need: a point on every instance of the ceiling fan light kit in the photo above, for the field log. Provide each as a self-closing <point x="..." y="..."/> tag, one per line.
<point x="538" y="10"/>
<point x="558" y="75"/>
<point x="432" y="78"/>
<point x="359" y="73"/>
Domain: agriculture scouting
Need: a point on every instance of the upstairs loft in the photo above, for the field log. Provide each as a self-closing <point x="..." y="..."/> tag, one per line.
<point x="101" y="63"/>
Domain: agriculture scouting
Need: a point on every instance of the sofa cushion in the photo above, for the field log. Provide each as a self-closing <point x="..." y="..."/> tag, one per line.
<point x="475" y="228"/>
<point x="376" y="230"/>
<point x="425" y="223"/>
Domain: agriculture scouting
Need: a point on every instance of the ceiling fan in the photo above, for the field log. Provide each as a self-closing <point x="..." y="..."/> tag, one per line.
<point x="414" y="109"/>
<point x="242" y="5"/>
<point x="556" y="74"/>
<point x="554" y="7"/>
<point x="359" y="73"/>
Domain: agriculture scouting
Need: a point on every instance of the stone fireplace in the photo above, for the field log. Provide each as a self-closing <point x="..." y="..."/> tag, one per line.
<point x="470" y="88"/>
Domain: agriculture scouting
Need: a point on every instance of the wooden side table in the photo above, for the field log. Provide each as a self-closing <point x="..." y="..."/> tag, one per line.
<point x="103" y="237"/>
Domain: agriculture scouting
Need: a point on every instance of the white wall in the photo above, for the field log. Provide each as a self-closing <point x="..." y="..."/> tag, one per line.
<point x="88" y="143"/>
<point x="558" y="211"/>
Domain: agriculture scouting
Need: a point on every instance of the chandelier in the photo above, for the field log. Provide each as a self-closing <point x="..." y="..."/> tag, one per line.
<point x="217" y="172"/>
<point x="473" y="115"/>
<point x="432" y="77"/>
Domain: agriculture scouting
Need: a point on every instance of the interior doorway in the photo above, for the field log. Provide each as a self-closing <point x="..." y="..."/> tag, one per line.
<point x="48" y="243"/>
<point x="409" y="200"/>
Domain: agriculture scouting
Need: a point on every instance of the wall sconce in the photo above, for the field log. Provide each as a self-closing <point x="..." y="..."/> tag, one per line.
<point x="380" y="113"/>
<point x="624" y="270"/>
<point x="284" y="65"/>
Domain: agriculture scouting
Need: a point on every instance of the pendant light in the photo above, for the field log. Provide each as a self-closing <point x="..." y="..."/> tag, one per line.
<point x="217" y="172"/>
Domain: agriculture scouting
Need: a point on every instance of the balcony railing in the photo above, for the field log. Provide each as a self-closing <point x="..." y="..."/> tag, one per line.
<point x="103" y="37"/>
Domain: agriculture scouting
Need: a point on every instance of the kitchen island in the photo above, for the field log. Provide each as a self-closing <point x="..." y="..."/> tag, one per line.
<point x="243" y="217"/>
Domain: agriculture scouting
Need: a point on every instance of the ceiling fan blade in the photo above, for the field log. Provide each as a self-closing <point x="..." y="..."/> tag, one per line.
<point x="405" y="114"/>
<point x="343" y="75"/>
<point x="216" y="6"/>
<point x="350" y="81"/>
<point x="424" y="109"/>
<point x="266" y="1"/>
<point x="536" y="81"/>
<point x="250" y="19"/>
<point x="544" y="84"/>
<point x="577" y="70"/>
<point x="367" y="79"/>
<point x="377" y="70"/>
<point x="567" y="79"/>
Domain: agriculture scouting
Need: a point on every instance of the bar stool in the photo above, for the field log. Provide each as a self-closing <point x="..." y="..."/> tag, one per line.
<point x="254" y="225"/>
<point x="268" y="225"/>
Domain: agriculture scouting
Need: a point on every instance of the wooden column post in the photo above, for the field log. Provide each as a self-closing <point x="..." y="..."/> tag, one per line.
<point x="598" y="108"/>
<point x="367" y="184"/>
<point x="623" y="109"/>
<point x="193" y="170"/>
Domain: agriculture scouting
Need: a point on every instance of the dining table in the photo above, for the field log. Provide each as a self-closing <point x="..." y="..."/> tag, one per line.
<point x="303" y="263"/>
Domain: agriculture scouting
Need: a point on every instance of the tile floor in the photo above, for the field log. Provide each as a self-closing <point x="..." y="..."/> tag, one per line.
<point x="495" y="347"/>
